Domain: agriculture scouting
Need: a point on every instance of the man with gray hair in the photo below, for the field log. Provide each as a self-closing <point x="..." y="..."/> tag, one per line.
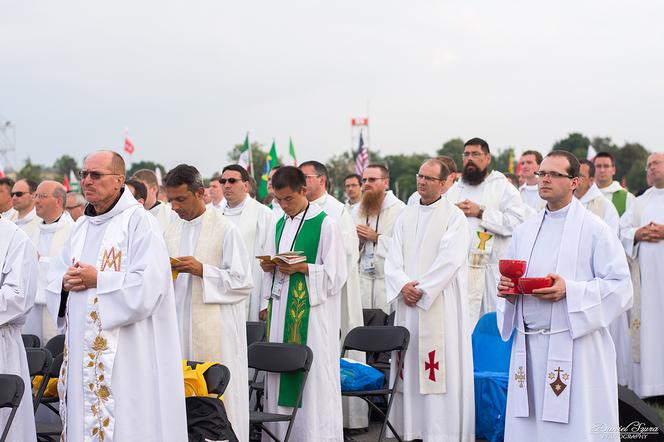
<point x="75" y="205"/>
<point x="111" y="290"/>
<point x="48" y="239"/>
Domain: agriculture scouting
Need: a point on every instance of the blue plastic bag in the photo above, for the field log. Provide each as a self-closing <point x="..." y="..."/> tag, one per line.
<point x="356" y="376"/>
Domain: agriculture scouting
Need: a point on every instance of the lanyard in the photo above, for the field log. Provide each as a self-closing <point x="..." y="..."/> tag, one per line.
<point x="376" y="228"/>
<point x="297" y="232"/>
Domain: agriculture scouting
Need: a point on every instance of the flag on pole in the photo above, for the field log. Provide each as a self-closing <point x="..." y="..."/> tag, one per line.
<point x="157" y="172"/>
<point x="2" y="171"/>
<point x="128" y="143"/>
<point x="591" y="153"/>
<point x="361" y="157"/>
<point x="65" y="182"/>
<point x="271" y="161"/>
<point x="245" y="159"/>
<point x="73" y="182"/>
<point x="291" y="152"/>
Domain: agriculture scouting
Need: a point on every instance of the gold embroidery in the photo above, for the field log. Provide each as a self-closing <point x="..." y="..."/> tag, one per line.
<point x="520" y="377"/>
<point x="558" y="386"/>
<point x="297" y="312"/>
<point x="101" y="391"/>
<point x="636" y="324"/>
<point x="111" y="259"/>
<point x="484" y="237"/>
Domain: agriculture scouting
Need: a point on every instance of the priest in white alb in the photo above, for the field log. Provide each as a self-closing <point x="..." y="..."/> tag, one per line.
<point x="161" y="211"/>
<point x="356" y="411"/>
<point x="563" y="382"/>
<point x="494" y="208"/>
<point x="374" y="218"/>
<point x="212" y="284"/>
<point x="18" y="262"/>
<point x="49" y="239"/>
<point x="110" y="289"/>
<point x="253" y="221"/>
<point x="22" y="200"/>
<point x="303" y="307"/>
<point x="642" y="235"/>
<point x="426" y="278"/>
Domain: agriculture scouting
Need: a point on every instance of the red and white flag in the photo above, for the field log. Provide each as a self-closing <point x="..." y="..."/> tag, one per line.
<point x="65" y="182"/>
<point x="2" y="171"/>
<point x="128" y="144"/>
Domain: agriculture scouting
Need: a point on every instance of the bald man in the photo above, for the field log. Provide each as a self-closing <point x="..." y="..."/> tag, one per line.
<point x="49" y="239"/>
<point x="111" y="289"/>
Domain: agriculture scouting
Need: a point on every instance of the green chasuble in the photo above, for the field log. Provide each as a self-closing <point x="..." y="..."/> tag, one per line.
<point x="296" y="323"/>
<point x="619" y="200"/>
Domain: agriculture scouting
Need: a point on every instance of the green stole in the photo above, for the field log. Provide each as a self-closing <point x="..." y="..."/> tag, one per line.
<point x="619" y="200"/>
<point x="296" y="323"/>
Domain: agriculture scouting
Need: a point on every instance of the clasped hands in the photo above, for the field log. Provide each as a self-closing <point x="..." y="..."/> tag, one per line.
<point x="554" y="293"/>
<point x="366" y="233"/>
<point x="469" y="208"/>
<point x="411" y="294"/>
<point x="651" y="232"/>
<point x="79" y="277"/>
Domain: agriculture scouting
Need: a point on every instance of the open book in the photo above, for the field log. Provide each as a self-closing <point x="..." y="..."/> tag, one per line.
<point x="286" y="257"/>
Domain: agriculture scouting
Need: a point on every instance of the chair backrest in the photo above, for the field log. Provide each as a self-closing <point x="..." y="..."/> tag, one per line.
<point x="217" y="377"/>
<point x="56" y="345"/>
<point x="11" y="393"/>
<point x="31" y="341"/>
<point x="377" y="338"/>
<point x="255" y="331"/>
<point x="39" y="361"/>
<point x="279" y="358"/>
<point x="490" y="352"/>
<point x="54" y="370"/>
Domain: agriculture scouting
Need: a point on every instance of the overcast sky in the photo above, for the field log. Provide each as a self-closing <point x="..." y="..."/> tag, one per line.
<point x="189" y="78"/>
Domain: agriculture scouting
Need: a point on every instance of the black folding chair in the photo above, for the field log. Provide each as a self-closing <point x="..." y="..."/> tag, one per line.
<point x="256" y="333"/>
<point x="11" y="393"/>
<point x="31" y="341"/>
<point x="379" y="339"/>
<point x="39" y="363"/>
<point x="216" y="377"/>
<point x="274" y="357"/>
<point x="56" y="345"/>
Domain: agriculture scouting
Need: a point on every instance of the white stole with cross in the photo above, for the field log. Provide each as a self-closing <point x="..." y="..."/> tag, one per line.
<point x="417" y="259"/>
<point x="558" y="379"/>
<point x="205" y="318"/>
<point x="100" y="344"/>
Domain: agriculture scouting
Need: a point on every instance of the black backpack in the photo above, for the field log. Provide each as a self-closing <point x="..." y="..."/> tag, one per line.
<point x="207" y="420"/>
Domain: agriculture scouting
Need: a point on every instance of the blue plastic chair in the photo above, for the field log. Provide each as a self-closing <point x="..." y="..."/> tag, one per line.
<point x="491" y="360"/>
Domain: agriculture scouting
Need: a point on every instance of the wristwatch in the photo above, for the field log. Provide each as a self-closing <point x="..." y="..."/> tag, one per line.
<point x="481" y="212"/>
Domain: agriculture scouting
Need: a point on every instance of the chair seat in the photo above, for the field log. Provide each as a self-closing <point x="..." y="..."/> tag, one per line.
<point x="256" y="417"/>
<point x="49" y="429"/>
<point x="365" y="392"/>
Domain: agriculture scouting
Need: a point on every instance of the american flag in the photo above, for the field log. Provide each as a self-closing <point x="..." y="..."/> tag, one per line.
<point x="361" y="157"/>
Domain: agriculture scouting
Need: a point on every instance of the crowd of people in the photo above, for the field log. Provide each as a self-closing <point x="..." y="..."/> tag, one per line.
<point x="139" y="275"/>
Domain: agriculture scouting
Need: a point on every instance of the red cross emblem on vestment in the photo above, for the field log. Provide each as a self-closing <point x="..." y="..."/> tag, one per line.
<point x="431" y="365"/>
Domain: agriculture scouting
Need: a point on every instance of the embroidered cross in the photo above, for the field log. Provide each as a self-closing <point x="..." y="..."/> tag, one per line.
<point x="520" y="377"/>
<point x="558" y="386"/>
<point x="431" y="365"/>
<point x="111" y="259"/>
<point x="636" y="324"/>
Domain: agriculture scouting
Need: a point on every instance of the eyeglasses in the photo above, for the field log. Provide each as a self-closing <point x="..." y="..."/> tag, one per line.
<point x="653" y="164"/>
<point x="419" y="176"/>
<point x="83" y="174"/>
<point x="371" y="179"/>
<point x="473" y="154"/>
<point x="311" y="176"/>
<point x="19" y="194"/>
<point x="229" y="180"/>
<point x="40" y="196"/>
<point x="543" y="174"/>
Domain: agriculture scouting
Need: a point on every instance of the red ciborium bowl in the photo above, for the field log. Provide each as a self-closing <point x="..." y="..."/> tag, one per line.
<point x="527" y="285"/>
<point x="513" y="269"/>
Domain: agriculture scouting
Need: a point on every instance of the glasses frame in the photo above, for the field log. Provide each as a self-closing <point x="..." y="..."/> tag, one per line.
<point x="93" y="174"/>
<point x="552" y="174"/>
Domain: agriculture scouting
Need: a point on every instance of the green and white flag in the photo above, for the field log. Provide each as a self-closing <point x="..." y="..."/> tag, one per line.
<point x="245" y="155"/>
<point x="73" y="182"/>
<point x="291" y="153"/>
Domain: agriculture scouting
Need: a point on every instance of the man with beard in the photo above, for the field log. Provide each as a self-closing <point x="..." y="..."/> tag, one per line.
<point x="493" y="208"/>
<point x="374" y="218"/>
<point x="316" y="175"/>
<point x="353" y="189"/>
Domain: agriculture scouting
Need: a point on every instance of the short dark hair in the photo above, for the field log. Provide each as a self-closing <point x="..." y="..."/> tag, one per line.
<point x="383" y="168"/>
<point x="573" y="168"/>
<point x="604" y="154"/>
<point x="140" y="189"/>
<point x="320" y="168"/>
<point x="184" y="174"/>
<point x="353" y="175"/>
<point x="32" y="185"/>
<point x="444" y="170"/>
<point x="236" y="168"/>
<point x="478" y="142"/>
<point x="591" y="167"/>
<point x="536" y="154"/>
<point x="6" y="181"/>
<point x="289" y="176"/>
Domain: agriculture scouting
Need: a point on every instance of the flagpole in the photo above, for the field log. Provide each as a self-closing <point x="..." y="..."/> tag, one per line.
<point x="251" y="157"/>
